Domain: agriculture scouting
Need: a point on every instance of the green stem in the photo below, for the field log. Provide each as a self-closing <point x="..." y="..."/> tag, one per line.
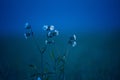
<point x="42" y="65"/>
<point x="66" y="60"/>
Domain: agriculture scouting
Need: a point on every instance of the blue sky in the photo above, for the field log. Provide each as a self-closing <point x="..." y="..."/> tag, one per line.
<point x="66" y="15"/>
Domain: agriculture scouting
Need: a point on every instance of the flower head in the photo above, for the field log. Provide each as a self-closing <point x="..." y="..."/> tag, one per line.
<point x="48" y="28"/>
<point x="72" y="40"/>
<point x="28" y="31"/>
<point x="28" y="34"/>
<point x="51" y="27"/>
<point x="53" y="34"/>
<point x="74" y="44"/>
<point x="45" y="27"/>
<point x="49" y="35"/>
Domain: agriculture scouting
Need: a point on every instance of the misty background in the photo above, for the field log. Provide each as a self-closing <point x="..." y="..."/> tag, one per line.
<point x="95" y="23"/>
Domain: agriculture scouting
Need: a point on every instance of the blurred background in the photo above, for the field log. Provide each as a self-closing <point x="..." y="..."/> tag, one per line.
<point x="96" y="24"/>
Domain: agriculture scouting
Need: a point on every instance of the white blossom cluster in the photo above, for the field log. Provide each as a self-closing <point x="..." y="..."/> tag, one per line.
<point x="51" y="33"/>
<point x="28" y="31"/>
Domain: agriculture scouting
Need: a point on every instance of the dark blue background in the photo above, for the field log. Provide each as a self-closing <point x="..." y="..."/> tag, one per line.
<point x="96" y="24"/>
<point x="66" y="15"/>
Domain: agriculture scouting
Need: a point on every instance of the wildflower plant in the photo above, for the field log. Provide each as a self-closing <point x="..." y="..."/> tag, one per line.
<point x="58" y="60"/>
<point x="28" y="31"/>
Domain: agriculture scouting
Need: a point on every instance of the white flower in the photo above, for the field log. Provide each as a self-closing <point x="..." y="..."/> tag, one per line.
<point x="56" y="32"/>
<point x="25" y="36"/>
<point x="51" y="28"/>
<point x="74" y="36"/>
<point x="49" y="35"/>
<point x="28" y="34"/>
<point x="72" y="41"/>
<point x="45" y="27"/>
<point x="74" y="44"/>
<point x="52" y="34"/>
<point x="48" y="28"/>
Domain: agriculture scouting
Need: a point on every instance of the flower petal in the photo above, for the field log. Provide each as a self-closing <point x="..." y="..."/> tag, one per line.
<point x="49" y="34"/>
<point x="48" y="28"/>
<point x="56" y="32"/>
<point x="74" y="44"/>
<point x="27" y="35"/>
<point x="51" y="28"/>
<point x="45" y="27"/>
<point x="74" y="36"/>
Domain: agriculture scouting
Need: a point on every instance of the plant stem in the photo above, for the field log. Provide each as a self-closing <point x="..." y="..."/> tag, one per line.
<point x="65" y="61"/>
<point x="42" y="65"/>
<point x="56" y="70"/>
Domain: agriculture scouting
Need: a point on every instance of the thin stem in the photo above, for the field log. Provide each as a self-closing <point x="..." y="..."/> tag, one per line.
<point x="37" y="46"/>
<point x="67" y="54"/>
<point x="41" y="52"/>
<point x="66" y="60"/>
<point x="42" y="66"/>
<point x="56" y="71"/>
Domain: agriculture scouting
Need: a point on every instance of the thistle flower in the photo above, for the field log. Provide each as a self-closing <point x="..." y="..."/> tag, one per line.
<point x="48" y="28"/>
<point x="72" y="41"/>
